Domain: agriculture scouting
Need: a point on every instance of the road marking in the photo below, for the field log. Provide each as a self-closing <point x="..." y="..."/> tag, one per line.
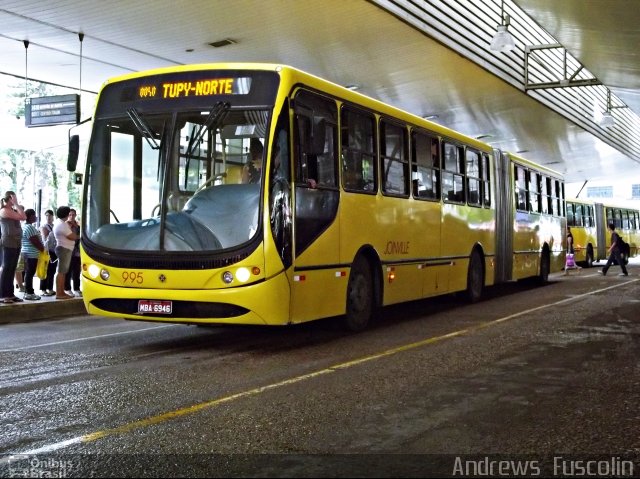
<point x="160" y="418"/>
<point x="66" y="341"/>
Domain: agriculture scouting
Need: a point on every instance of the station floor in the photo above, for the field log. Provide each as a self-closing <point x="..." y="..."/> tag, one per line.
<point x="541" y="376"/>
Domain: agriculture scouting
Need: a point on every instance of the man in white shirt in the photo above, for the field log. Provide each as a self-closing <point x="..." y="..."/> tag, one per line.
<point x="65" y="238"/>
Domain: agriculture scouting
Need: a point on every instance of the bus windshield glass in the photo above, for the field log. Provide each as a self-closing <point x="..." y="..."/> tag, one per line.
<point x="177" y="174"/>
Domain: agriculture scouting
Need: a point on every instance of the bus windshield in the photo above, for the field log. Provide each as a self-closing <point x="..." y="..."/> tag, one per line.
<point x="176" y="180"/>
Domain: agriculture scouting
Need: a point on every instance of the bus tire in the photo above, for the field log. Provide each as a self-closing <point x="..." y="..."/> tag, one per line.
<point x="475" y="278"/>
<point x="545" y="267"/>
<point x="360" y="297"/>
<point x="589" y="258"/>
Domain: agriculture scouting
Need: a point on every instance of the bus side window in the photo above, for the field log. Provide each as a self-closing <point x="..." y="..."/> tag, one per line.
<point x="521" y="188"/>
<point x="425" y="166"/>
<point x="559" y="197"/>
<point x="486" y="181"/>
<point x="316" y="140"/>
<point x="545" y="202"/>
<point x="473" y="177"/>
<point x="534" y="192"/>
<point x="359" y="165"/>
<point x="453" y="173"/>
<point x="393" y="153"/>
<point x="570" y="215"/>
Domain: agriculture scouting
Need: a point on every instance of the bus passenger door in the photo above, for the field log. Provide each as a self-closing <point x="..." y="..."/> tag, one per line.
<point x="601" y="232"/>
<point x="317" y="286"/>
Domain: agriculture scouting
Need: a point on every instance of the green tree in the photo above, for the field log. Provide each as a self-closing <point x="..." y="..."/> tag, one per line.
<point x="16" y="96"/>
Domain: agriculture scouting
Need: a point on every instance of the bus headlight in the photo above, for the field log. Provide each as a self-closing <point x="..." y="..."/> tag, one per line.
<point x="104" y="274"/>
<point x="227" y="277"/>
<point x="93" y="270"/>
<point x="243" y="274"/>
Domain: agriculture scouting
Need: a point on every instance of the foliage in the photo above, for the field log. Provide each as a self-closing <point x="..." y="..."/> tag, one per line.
<point x="16" y="97"/>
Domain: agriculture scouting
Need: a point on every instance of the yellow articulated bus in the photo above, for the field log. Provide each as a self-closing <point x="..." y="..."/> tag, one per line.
<point x="260" y="194"/>
<point x="588" y="222"/>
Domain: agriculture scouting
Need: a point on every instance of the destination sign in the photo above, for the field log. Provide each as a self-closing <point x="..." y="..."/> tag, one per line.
<point x="52" y="110"/>
<point x="195" y="88"/>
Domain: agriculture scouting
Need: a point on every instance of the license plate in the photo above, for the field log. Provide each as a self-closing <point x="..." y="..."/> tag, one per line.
<point x="149" y="306"/>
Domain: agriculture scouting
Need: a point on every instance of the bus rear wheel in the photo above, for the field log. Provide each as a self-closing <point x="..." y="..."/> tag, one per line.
<point x="545" y="267"/>
<point x="359" y="296"/>
<point x="475" y="278"/>
<point x="589" y="259"/>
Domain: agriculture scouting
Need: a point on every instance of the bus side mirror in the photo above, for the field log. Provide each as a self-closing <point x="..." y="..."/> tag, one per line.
<point x="74" y="148"/>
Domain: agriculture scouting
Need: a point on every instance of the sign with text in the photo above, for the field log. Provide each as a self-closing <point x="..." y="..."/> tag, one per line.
<point x="52" y="110"/>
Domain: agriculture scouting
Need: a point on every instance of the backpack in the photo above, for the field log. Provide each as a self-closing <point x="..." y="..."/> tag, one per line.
<point x="625" y="250"/>
<point x="51" y="242"/>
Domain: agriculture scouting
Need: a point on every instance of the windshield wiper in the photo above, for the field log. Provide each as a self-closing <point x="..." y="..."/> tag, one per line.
<point x="144" y="128"/>
<point x="218" y="112"/>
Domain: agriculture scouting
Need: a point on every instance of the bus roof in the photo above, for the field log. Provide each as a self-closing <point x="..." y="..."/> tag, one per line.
<point x="295" y="75"/>
<point x="525" y="162"/>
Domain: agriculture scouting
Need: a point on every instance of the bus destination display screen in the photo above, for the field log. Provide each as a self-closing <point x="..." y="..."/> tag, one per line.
<point x="196" y="88"/>
<point x="188" y="90"/>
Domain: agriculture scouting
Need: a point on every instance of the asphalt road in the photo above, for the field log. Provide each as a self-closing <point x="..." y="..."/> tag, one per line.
<point x="529" y="375"/>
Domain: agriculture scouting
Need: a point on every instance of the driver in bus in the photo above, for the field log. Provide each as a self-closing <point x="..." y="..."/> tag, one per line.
<point x="253" y="168"/>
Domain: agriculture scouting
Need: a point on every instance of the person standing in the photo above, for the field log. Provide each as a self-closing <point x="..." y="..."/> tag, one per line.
<point x="73" y="276"/>
<point x="31" y="248"/>
<point x="614" y="253"/>
<point x="65" y="239"/>
<point x="252" y="170"/>
<point x="49" y="240"/>
<point x="570" y="249"/>
<point x="11" y="213"/>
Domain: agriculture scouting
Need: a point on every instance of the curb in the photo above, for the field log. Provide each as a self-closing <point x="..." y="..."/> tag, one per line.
<point x="39" y="310"/>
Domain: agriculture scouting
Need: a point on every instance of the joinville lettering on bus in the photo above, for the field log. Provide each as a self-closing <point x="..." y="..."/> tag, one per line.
<point x="397" y="247"/>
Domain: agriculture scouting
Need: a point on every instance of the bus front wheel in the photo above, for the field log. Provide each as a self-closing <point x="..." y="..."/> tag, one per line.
<point x="359" y="296"/>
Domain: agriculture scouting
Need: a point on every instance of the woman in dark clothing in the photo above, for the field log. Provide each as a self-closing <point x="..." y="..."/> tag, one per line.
<point x="11" y="213"/>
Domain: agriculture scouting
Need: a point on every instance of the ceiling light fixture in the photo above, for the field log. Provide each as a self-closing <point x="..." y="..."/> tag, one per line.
<point x="222" y="43"/>
<point x="607" y="120"/>
<point x="502" y="40"/>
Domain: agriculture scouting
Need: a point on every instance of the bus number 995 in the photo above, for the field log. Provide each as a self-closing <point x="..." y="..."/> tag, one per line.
<point x="132" y="277"/>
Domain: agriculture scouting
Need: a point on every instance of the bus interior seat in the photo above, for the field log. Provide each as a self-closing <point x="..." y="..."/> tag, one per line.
<point x="176" y="201"/>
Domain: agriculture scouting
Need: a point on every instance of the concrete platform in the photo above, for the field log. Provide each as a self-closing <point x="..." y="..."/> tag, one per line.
<point x="45" y="308"/>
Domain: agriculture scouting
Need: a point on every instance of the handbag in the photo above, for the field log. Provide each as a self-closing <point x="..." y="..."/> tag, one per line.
<point x="571" y="262"/>
<point x="43" y="264"/>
